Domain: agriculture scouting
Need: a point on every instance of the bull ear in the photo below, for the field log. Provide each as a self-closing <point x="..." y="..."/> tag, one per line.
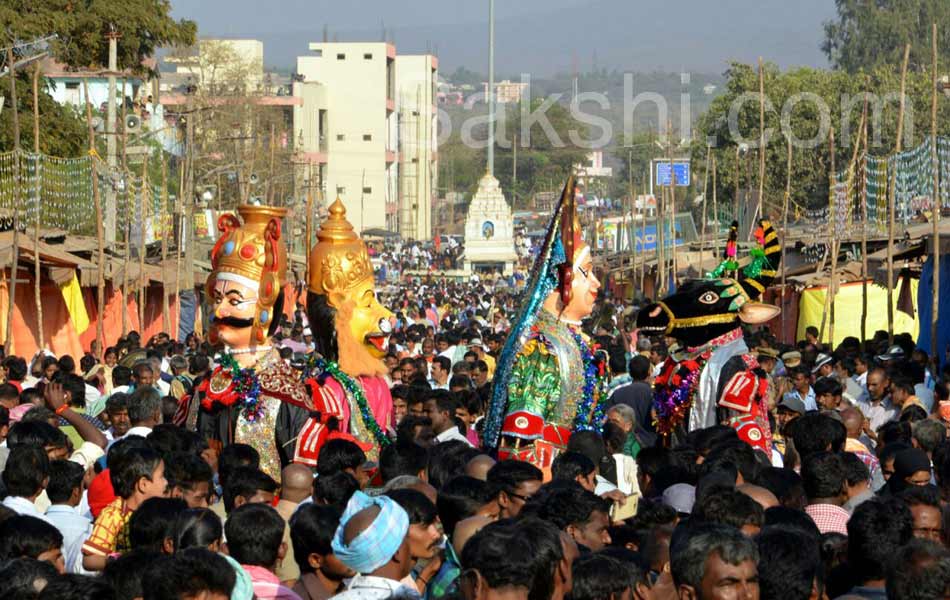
<point x="755" y="313"/>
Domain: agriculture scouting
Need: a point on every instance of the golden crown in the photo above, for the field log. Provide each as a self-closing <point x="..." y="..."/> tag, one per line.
<point x="338" y="261"/>
<point x="254" y="251"/>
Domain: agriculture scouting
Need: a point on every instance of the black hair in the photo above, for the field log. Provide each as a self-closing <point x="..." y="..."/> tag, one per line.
<point x="20" y="578"/>
<point x="913" y="414"/>
<point x="445" y="401"/>
<point x="489" y="553"/>
<point x="24" y="536"/>
<point x="728" y="507"/>
<point x="64" y="477"/>
<point x="737" y="453"/>
<point x="544" y="541"/>
<point x="564" y="504"/>
<point x="128" y="468"/>
<point x="322" y="318"/>
<point x="444" y="362"/>
<point x="76" y="387"/>
<point x="185" y="471"/>
<point x="8" y="391"/>
<point x="245" y="482"/>
<point x="121" y="375"/>
<point x="568" y="466"/>
<point x="312" y="529"/>
<point x="876" y="531"/>
<point x="920" y="571"/>
<point x="234" y="456"/>
<point x="789" y="563"/>
<point x="254" y="533"/>
<point x="26" y="471"/>
<point x="507" y="475"/>
<point x="689" y="551"/>
<point x="118" y="401"/>
<point x="16" y="368"/>
<point x="823" y="475"/>
<point x="447" y="459"/>
<point x="339" y="455"/>
<point x="168" y="439"/>
<point x="77" y="587"/>
<point x="196" y="528"/>
<point x="153" y="522"/>
<point x="827" y="385"/>
<point x="460" y="498"/>
<point x="401" y="458"/>
<point x="815" y="432"/>
<point x="591" y="444"/>
<point x="335" y="490"/>
<point x="125" y="573"/>
<point x="34" y="433"/>
<point x="187" y="574"/>
<point x="66" y="364"/>
<point x="598" y="577"/>
<point x="893" y="432"/>
<point x="417" y="505"/>
<point x="651" y="460"/>
<point x="921" y="495"/>
<point x="639" y="368"/>
<point x="855" y="471"/>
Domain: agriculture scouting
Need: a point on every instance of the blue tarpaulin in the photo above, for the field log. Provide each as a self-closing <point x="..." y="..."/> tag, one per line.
<point x="186" y="316"/>
<point x="925" y="306"/>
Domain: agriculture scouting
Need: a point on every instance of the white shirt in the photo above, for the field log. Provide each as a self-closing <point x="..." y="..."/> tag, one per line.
<point x="75" y="529"/>
<point x="376" y="588"/>
<point x="139" y="430"/>
<point x="22" y="506"/>
<point x="451" y="434"/>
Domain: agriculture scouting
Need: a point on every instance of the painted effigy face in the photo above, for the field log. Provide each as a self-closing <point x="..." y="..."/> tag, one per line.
<point x="234" y="303"/>
<point x="365" y="322"/>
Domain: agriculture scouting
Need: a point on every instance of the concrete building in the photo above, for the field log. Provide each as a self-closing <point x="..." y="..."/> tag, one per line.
<point x="221" y="66"/>
<point x="416" y="84"/>
<point x="347" y="122"/>
<point x="507" y="92"/>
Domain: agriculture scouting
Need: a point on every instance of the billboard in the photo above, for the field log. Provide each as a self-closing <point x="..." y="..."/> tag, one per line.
<point x="661" y="172"/>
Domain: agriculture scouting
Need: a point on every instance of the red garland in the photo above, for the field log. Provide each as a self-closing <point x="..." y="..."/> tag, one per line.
<point x="225" y="397"/>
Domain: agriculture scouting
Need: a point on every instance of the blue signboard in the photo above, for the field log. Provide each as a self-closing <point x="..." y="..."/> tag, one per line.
<point x="662" y="173"/>
<point x="646" y="238"/>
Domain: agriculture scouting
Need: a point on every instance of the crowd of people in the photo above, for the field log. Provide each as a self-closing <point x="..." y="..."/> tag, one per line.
<point x="107" y="494"/>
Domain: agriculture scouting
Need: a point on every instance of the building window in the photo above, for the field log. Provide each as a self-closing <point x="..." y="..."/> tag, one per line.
<point x="341" y="56"/>
<point x="367" y="190"/>
<point x="415" y="160"/>
<point x="340" y="190"/>
<point x="72" y="85"/>
<point x="318" y="53"/>
<point x="367" y="137"/>
<point x="340" y="137"/>
<point x="368" y="56"/>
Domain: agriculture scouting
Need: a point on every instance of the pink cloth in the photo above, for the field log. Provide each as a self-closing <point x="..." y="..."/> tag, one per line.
<point x="17" y="412"/>
<point x="829" y="518"/>
<point x="267" y="586"/>
<point x="472" y="437"/>
<point x="378" y="397"/>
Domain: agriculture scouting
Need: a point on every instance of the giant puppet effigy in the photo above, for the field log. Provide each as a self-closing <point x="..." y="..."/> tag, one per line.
<point x="351" y="334"/>
<point x="710" y="377"/>
<point x="548" y="381"/>
<point x="252" y="396"/>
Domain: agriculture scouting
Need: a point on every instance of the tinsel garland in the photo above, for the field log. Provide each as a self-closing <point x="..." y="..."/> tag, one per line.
<point x="674" y="390"/>
<point x="590" y="412"/>
<point x="317" y="365"/>
<point x="759" y="261"/>
<point x="245" y="387"/>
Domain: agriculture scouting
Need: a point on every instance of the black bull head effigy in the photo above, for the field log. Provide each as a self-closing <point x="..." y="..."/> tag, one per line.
<point x="703" y="309"/>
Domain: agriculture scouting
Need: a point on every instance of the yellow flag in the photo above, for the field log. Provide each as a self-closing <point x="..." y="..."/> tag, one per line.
<point x="72" y="295"/>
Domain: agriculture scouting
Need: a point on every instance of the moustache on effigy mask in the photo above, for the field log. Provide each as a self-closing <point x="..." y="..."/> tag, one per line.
<point x="234" y="322"/>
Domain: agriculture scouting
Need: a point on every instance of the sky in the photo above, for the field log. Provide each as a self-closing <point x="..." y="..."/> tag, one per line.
<point x="536" y="36"/>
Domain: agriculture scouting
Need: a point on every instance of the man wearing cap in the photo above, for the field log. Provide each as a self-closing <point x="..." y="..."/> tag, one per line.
<point x="371" y="539"/>
<point x="801" y="388"/>
<point x="479" y="347"/>
<point x="824" y="366"/>
<point x="789" y="409"/>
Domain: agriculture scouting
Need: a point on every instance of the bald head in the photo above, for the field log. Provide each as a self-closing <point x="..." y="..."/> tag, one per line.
<point x="479" y="466"/>
<point x="761" y="495"/>
<point x="853" y="420"/>
<point x="426" y="488"/>
<point x="296" y="483"/>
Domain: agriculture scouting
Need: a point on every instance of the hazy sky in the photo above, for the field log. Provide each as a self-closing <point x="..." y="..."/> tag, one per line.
<point x="541" y="36"/>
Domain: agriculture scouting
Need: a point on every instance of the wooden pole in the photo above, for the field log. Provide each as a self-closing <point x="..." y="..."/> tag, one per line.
<point x="937" y="206"/>
<point x="735" y="200"/>
<point x="715" y="206"/>
<point x="309" y="223"/>
<point x="100" y="229"/>
<point x="758" y="205"/>
<point x="162" y="216"/>
<point x="785" y="200"/>
<point x="702" y="243"/>
<point x="143" y="206"/>
<point x="37" y="295"/>
<point x="632" y="226"/>
<point x="270" y="179"/>
<point x="890" y="203"/>
<point x="829" y="292"/>
<point x="181" y="231"/>
<point x="672" y="208"/>
<point x="11" y="287"/>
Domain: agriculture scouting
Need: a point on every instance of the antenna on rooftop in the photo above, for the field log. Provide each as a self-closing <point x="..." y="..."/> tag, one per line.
<point x="325" y="33"/>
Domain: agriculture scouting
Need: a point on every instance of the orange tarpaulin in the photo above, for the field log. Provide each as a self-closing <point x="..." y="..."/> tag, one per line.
<point x="59" y="334"/>
<point x="112" y="321"/>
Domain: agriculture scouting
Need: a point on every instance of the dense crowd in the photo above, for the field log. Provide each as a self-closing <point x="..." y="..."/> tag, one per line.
<point x="107" y="496"/>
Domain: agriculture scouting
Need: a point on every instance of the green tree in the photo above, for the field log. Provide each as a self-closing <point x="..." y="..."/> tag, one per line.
<point x="62" y="131"/>
<point x="869" y="34"/>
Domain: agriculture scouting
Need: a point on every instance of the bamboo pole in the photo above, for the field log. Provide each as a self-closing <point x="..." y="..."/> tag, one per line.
<point x="128" y="222"/>
<point x="100" y="234"/>
<point x="11" y="288"/>
<point x="937" y="206"/>
<point x="785" y="200"/>
<point x="143" y="204"/>
<point x="309" y="222"/>
<point x="890" y="203"/>
<point x="672" y="207"/>
<point x="702" y="243"/>
<point x="181" y="229"/>
<point x="758" y="205"/>
<point x="864" y="231"/>
<point x="735" y="201"/>
<point x="37" y="295"/>
<point x="832" y="240"/>
<point x="162" y="216"/>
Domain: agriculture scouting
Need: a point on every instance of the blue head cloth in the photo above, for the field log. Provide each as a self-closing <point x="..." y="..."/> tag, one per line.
<point x="379" y="542"/>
